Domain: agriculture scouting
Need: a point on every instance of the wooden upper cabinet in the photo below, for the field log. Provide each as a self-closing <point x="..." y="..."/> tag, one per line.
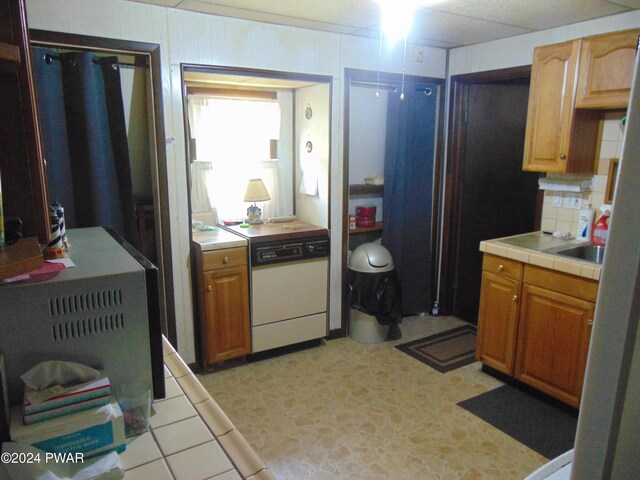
<point x="606" y="70"/>
<point x="551" y="115"/>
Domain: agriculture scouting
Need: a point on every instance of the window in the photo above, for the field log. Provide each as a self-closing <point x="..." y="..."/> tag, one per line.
<point x="233" y="137"/>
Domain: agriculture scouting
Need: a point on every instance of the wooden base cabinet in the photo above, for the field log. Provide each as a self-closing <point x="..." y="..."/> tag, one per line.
<point x="223" y="286"/>
<point x="498" y="313"/>
<point x="534" y="325"/>
<point x="553" y="342"/>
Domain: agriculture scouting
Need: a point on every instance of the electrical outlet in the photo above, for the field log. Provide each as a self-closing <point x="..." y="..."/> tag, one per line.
<point x="557" y="200"/>
<point x="574" y="201"/>
<point x="418" y="54"/>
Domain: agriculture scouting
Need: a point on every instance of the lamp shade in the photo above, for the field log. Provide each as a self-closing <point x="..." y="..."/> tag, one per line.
<point x="256" y="191"/>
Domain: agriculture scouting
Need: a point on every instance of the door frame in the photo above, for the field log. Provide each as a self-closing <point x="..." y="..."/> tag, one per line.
<point x="459" y="91"/>
<point x="373" y="77"/>
<point x="150" y="52"/>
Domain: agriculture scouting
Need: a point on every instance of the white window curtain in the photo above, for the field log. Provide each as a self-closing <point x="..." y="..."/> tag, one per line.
<point x="233" y="135"/>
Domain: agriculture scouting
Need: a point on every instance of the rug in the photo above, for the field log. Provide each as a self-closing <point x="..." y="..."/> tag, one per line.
<point x="444" y="351"/>
<point x="540" y="424"/>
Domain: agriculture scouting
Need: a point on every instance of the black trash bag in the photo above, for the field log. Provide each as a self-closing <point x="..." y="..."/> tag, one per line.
<point x="377" y="294"/>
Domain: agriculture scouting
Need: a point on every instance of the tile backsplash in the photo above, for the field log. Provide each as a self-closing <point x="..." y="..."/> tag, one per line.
<point x="566" y="219"/>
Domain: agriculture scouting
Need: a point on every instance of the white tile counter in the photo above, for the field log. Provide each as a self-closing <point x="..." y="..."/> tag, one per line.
<point x="530" y="248"/>
<point x="190" y="437"/>
<point x="217" y="239"/>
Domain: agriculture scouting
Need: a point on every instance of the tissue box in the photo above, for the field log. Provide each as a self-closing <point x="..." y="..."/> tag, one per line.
<point x="92" y="432"/>
<point x="73" y="399"/>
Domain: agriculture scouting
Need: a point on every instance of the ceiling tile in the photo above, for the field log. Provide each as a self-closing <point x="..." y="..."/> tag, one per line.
<point x="460" y="29"/>
<point x="421" y="38"/>
<point x="635" y="4"/>
<point x="354" y="13"/>
<point x="162" y="3"/>
<point x="535" y="15"/>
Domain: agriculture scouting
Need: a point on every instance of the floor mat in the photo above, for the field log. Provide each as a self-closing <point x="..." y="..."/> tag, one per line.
<point x="539" y="424"/>
<point x="444" y="351"/>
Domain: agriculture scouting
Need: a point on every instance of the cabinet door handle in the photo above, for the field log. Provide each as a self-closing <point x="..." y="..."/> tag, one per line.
<point x="225" y="260"/>
<point x="501" y="268"/>
<point x="209" y="288"/>
<point x="563" y="156"/>
<point x="590" y="321"/>
<point x="514" y="298"/>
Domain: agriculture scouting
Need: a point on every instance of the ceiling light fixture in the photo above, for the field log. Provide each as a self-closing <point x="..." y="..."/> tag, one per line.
<point x="397" y="16"/>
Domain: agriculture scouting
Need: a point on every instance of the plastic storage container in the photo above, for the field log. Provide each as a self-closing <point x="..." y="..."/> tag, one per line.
<point x="585" y="224"/>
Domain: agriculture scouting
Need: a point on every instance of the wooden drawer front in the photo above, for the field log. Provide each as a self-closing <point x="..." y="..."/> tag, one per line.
<point x="229" y="257"/>
<point x="577" y="287"/>
<point x="502" y="266"/>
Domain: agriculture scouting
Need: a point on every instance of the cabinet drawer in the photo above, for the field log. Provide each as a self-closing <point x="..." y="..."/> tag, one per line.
<point x="577" y="287"/>
<point x="502" y="266"/>
<point x="229" y="257"/>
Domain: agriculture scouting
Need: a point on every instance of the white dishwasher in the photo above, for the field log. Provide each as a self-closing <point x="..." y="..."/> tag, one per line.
<point x="288" y="291"/>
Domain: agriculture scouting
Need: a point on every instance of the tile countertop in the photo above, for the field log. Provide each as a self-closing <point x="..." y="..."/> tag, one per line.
<point x="530" y="248"/>
<point x="217" y="239"/>
<point x="190" y="437"/>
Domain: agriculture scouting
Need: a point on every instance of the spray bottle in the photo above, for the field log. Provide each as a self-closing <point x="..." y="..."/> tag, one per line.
<point x="601" y="228"/>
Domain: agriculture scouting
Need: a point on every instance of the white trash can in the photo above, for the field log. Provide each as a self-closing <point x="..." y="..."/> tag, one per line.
<point x="368" y="258"/>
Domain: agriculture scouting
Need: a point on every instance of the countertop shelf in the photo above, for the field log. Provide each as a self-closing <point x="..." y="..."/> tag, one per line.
<point x="377" y="227"/>
<point x="366" y="189"/>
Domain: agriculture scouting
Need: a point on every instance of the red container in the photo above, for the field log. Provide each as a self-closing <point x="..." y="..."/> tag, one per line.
<point x="366" y="211"/>
<point x="364" y="222"/>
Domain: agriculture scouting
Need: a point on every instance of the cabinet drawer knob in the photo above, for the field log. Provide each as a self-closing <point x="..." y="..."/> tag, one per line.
<point x="563" y="156"/>
<point x="514" y="298"/>
<point x="225" y="260"/>
<point x="590" y="321"/>
<point x="501" y="268"/>
<point x="209" y="288"/>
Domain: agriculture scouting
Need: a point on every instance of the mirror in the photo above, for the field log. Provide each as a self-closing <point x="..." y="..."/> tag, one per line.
<point x="139" y="66"/>
<point x="612" y="180"/>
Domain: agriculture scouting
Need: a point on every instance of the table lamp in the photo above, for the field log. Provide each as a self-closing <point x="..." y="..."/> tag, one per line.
<point x="255" y="192"/>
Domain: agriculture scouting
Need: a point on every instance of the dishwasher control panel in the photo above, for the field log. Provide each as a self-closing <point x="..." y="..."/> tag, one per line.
<point x="280" y="251"/>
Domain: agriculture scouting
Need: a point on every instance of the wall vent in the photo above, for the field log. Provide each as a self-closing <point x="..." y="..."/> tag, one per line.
<point x="85" y="302"/>
<point x="86" y="327"/>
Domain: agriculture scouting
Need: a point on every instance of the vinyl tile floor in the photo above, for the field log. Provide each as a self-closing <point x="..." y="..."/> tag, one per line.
<point x="352" y="411"/>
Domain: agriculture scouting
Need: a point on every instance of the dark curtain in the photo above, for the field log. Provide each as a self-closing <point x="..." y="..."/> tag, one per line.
<point x="85" y="140"/>
<point x="408" y="191"/>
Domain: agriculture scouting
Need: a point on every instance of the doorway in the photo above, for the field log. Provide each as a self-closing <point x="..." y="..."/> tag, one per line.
<point x="152" y="209"/>
<point x="393" y="133"/>
<point x="489" y="194"/>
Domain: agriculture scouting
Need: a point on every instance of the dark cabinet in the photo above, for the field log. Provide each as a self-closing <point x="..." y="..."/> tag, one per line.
<point x="21" y="156"/>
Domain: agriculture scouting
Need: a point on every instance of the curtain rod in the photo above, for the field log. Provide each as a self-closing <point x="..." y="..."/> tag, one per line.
<point x="427" y="90"/>
<point x="49" y="58"/>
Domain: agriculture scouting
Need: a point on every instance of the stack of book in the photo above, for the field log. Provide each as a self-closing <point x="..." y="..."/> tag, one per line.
<point x="83" y="418"/>
<point x="64" y="400"/>
<point x="91" y="432"/>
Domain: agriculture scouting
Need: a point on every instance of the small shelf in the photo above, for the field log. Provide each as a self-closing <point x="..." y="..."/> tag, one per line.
<point x="376" y="228"/>
<point x="366" y="189"/>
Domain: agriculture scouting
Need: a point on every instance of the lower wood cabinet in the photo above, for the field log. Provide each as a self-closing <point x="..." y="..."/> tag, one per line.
<point x="223" y="288"/>
<point x="537" y="329"/>
<point x="553" y="342"/>
<point x="498" y="315"/>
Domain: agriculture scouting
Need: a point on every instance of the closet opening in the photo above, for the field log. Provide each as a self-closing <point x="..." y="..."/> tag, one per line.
<point x="392" y="161"/>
